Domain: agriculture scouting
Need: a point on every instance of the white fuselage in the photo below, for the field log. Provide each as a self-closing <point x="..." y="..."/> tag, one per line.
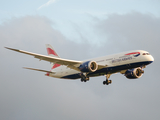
<point x="132" y="59"/>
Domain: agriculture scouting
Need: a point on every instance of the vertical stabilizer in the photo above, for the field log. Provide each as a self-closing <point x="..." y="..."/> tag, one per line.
<point x="52" y="52"/>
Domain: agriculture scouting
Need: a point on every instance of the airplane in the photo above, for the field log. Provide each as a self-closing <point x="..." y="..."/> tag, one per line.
<point x="130" y="63"/>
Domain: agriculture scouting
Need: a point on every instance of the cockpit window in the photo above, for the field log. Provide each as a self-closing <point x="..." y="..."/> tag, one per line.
<point x="146" y="54"/>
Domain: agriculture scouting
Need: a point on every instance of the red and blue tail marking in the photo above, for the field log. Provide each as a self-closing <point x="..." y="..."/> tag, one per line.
<point x="52" y="53"/>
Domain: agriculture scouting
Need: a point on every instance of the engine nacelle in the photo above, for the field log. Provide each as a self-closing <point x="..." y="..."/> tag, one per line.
<point x="134" y="73"/>
<point x="89" y="66"/>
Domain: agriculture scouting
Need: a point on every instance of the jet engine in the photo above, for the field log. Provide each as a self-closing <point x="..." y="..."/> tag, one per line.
<point x="89" y="66"/>
<point x="134" y="73"/>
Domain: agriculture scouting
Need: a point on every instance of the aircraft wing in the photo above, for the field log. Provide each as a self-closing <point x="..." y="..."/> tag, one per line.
<point x="73" y="64"/>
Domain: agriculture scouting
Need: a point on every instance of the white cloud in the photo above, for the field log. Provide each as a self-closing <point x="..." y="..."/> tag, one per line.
<point x="46" y="4"/>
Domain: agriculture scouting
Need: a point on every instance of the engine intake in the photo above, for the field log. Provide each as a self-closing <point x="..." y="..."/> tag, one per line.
<point x="89" y="66"/>
<point x="134" y="73"/>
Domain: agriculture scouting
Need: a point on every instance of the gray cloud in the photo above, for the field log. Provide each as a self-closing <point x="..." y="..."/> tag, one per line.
<point x="140" y="30"/>
<point x="31" y="95"/>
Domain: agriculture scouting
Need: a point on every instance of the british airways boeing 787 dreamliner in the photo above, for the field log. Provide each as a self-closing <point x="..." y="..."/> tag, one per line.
<point x="130" y="63"/>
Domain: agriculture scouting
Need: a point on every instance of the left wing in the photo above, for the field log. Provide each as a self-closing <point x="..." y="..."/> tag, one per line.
<point x="49" y="58"/>
<point x="73" y="64"/>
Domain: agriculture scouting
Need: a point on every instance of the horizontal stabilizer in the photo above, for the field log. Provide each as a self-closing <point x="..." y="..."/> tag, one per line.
<point x="38" y="70"/>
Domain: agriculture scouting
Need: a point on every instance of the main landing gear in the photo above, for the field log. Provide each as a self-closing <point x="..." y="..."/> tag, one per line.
<point x="107" y="82"/>
<point x="84" y="78"/>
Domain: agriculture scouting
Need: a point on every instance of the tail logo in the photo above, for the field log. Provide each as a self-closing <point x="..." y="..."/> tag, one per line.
<point x="50" y="51"/>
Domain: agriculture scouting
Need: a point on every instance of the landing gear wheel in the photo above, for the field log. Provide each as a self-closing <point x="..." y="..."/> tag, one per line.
<point x="104" y="82"/>
<point x="82" y="80"/>
<point x="107" y="82"/>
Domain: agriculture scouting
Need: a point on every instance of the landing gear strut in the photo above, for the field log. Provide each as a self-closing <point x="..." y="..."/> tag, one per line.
<point x="107" y="82"/>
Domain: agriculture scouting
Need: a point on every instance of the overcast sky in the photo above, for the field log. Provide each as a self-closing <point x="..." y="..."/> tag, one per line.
<point x="77" y="30"/>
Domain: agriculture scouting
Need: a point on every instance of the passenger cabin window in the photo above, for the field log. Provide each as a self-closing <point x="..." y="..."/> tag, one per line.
<point x="146" y="54"/>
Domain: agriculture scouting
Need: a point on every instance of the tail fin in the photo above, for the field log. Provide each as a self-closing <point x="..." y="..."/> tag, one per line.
<point x="52" y="53"/>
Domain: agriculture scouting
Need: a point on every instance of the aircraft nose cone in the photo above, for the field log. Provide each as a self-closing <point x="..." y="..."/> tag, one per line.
<point x="151" y="58"/>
